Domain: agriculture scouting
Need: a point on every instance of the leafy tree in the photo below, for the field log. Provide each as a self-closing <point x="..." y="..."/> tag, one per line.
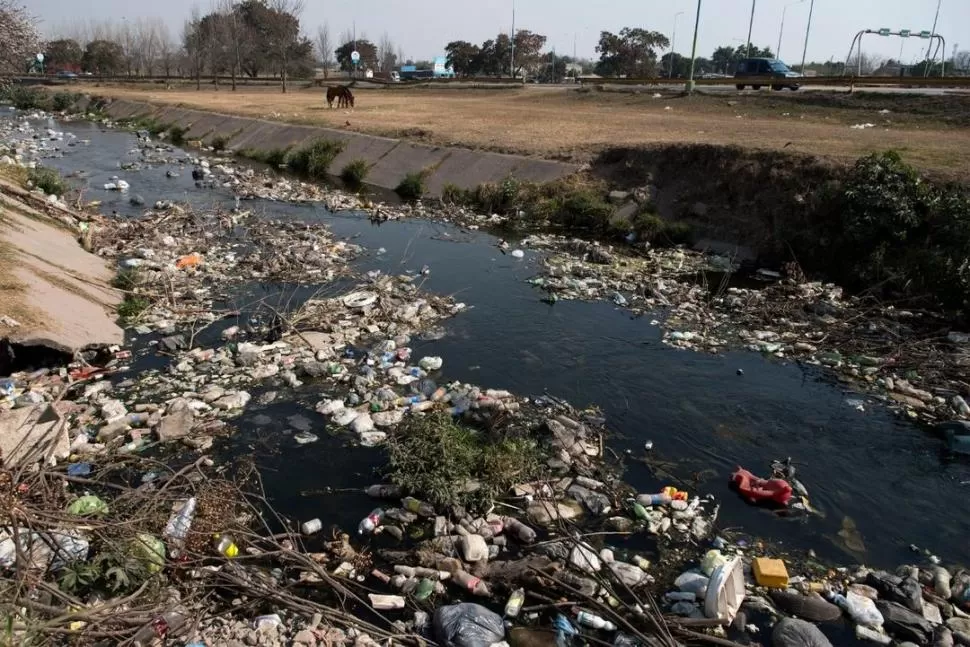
<point x="103" y="57"/>
<point x="464" y="57"/>
<point x="63" y="53"/>
<point x="682" y="65"/>
<point x="19" y="40"/>
<point x="552" y="68"/>
<point x="630" y="53"/>
<point x="528" y="51"/>
<point x="367" y="50"/>
<point x="723" y="59"/>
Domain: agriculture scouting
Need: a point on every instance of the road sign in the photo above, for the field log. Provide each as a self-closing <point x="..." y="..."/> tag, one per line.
<point x="355" y="56"/>
<point x="904" y="33"/>
<point x="885" y="31"/>
<point x="925" y="34"/>
<point x="40" y="57"/>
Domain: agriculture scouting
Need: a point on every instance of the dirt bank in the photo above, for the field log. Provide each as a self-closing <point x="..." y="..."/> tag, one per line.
<point x="57" y="293"/>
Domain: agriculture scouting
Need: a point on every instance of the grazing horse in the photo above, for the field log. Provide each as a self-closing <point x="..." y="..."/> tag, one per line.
<point x="343" y="95"/>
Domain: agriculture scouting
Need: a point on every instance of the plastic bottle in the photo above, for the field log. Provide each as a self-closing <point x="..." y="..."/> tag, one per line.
<point x="639" y="511"/>
<point x="514" y="605"/>
<point x="383" y="491"/>
<point x="519" y="530"/>
<point x="178" y="526"/>
<point x="642" y="562"/>
<point x="370" y="523"/>
<point x="311" y="526"/>
<point x="424" y="589"/>
<point x="648" y="500"/>
<point x="470" y="583"/>
<point x="225" y="545"/>
<point x="418" y="507"/>
<point x="592" y="620"/>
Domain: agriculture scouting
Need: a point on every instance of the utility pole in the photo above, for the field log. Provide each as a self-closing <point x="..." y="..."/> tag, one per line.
<point x="782" y="28"/>
<point x="574" y="47"/>
<point x="512" y="43"/>
<point x="673" y="45"/>
<point x="936" y="18"/>
<point x="747" y="53"/>
<point x="808" y="29"/>
<point x="693" y="50"/>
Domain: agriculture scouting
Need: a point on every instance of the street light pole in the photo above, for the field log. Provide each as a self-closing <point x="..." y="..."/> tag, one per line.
<point x="512" y="42"/>
<point x="808" y="29"/>
<point x="673" y="45"/>
<point x="747" y="53"/>
<point x="933" y="32"/>
<point x="782" y="28"/>
<point x="693" y="50"/>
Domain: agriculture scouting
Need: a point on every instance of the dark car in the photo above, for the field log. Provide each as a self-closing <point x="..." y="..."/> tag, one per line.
<point x="66" y="74"/>
<point x="782" y="76"/>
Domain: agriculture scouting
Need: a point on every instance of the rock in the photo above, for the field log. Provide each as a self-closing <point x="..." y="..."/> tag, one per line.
<point x="236" y="400"/>
<point x="902" y="623"/>
<point x="473" y="548"/>
<point x="137" y="200"/>
<point x="597" y="503"/>
<point x="942" y="637"/>
<point x="629" y="574"/>
<point x="112" y="430"/>
<point x="172" y="343"/>
<point x="619" y="524"/>
<point x="176" y="425"/>
<point x="212" y="393"/>
<point x="545" y="512"/>
<point x="619" y="197"/>
<point x="24" y="430"/>
<point x="809" y="607"/>
<point x="891" y="587"/>
<point x="791" y="632"/>
<point x="305" y="637"/>
<point x="317" y="341"/>
<point x="961" y="625"/>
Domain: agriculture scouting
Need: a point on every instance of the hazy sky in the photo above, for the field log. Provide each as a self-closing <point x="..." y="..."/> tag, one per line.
<point x="423" y="28"/>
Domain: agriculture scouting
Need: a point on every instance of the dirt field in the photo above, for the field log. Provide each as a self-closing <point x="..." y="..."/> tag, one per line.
<point x="557" y="123"/>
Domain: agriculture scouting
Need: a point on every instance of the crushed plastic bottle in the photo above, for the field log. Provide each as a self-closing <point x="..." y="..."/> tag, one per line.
<point x="370" y="523"/>
<point x="514" y="605"/>
<point x="592" y="620"/>
<point x="178" y="526"/>
<point x="383" y="491"/>
<point x="418" y="507"/>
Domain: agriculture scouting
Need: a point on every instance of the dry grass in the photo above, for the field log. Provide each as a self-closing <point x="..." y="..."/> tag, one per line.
<point x="13" y="294"/>
<point x="567" y="124"/>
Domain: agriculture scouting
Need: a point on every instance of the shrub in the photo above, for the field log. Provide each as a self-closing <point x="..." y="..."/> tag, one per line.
<point x="126" y="279"/>
<point x="176" y="134"/>
<point x="355" y="172"/>
<point x="436" y="458"/>
<point x="314" y="159"/>
<point x="219" y="143"/>
<point x="47" y="180"/>
<point x="583" y="208"/>
<point x="62" y="101"/>
<point x="27" y="98"/>
<point x="453" y="194"/>
<point x="131" y="308"/>
<point x="412" y="187"/>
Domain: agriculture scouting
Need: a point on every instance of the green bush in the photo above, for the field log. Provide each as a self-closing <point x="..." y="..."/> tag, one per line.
<point x="584" y="208"/>
<point x="27" y="98"/>
<point x="131" y="308"/>
<point x="412" y="187"/>
<point x="219" y="143"/>
<point x="453" y="194"/>
<point x="176" y="134"/>
<point x="314" y="159"/>
<point x="436" y="459"/>
<point x="62" y="101"/>
<point x="355" y="172"/>
<point x="126" y="279"/>
<point x="47" y="180"/>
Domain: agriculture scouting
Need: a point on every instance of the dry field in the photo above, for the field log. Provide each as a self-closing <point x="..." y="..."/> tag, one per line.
<point x="559" y="123"/>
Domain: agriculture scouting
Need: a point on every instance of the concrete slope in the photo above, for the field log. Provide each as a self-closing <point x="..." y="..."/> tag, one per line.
<point x="390" y="159"/>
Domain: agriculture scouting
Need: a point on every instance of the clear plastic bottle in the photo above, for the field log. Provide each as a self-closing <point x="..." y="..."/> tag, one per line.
<point x="418" y="507"/>
<point x="592" y="620"/>
<point x="225" y="545"/>
<point x="514" y="605"/>
<point x="161" y="626"/>
<point x="383" y="491"/>
<point x="370" y="523"/>
<point x="178" y="526"/>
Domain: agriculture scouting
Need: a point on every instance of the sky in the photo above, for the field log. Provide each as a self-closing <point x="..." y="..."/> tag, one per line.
<point x="423" y="28"/>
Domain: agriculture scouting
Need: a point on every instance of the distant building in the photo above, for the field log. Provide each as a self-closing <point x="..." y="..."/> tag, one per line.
<point x="441" y="70"/>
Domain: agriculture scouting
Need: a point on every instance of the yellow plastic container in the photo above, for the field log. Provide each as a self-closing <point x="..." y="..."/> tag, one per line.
<point x="770" y="573"/>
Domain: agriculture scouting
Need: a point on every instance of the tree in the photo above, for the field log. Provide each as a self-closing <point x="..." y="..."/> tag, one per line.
<point x="630" y="53"/>
<point x="19" y="40"/>
<point x="961" y="61"/>
<point x="863" y="63"/>
<point x="63" y="53"/>
<point x="366" y="49"/>
<point x="283" y="35"/>
<point x="463" y="57"/>
<point x="195" y="45"/>
<point x="386" y="58"/>
<point x="325" y="48"/>
<point x="528" y="51"/>
<point x="724" y="59"/>
<point x="552" y="68"/>
<point x="752" y="51"/>
<point x="103" y="57"/>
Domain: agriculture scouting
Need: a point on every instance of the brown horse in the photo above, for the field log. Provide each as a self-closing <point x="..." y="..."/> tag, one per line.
<point x="343" y="95"/>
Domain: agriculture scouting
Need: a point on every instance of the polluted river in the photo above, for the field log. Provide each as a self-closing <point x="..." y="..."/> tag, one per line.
<point x="881" y="487"/>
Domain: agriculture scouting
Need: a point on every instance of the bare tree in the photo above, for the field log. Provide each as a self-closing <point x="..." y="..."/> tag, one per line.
<point x="400" y="55"/>
<point x="20" y="38"/>
<point x="283" y="34"/>
<point x="193" y="41"/>
<point x="167" y="51"/>
<point x="385" y="53"/>
<point x="961" y="60"/>
<point x="148" y="36"/>
<point x="325" y="45"/>
<point x="863" y="63"/>
<point x="233" y="36"/>
<point x="128" y="41"/>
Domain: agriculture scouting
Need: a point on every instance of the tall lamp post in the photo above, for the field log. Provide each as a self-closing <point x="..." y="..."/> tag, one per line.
<point x="693" y="50"/>
<point x="933" y="32"/>
<point x="782" y="28"/>
<point x="808" y="29"/>
<point x="747" y="52"/>
<point x="673" y="44"/>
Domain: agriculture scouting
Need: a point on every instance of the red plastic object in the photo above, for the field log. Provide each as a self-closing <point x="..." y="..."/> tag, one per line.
<point x="757" y="490"/>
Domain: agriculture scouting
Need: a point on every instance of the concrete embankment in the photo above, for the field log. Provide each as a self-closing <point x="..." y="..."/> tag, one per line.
<point x="390" y="159"/>
<point x="56" y="293"/>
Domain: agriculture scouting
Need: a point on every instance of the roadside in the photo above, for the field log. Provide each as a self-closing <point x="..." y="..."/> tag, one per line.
<point x="575" y="125"/>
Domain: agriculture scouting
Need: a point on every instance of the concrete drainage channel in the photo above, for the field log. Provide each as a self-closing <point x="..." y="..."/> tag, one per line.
<point x="390" y="159"/>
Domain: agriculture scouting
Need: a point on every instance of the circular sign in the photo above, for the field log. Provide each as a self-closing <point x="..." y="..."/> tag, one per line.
<point x="40" y="57"/>
<point x="355" y="56"/>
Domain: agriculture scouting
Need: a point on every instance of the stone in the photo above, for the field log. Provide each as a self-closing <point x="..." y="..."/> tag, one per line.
<point x="172" y="343"/>
<point x="619" y="197"/>
<point x="30" y="432"/>
<point x="236" y="400"/>
<point x="112" y="430"/>
<point x="595" y="502"/>
<point x="546" y="512"/>
<point x="212" y="393"/>
<point x="791" y="632"/>
<point x="176" y="425"/>
<point x="961" y="625"/>
<point x="112" y="410"/>
<point x="903" y="624"/>
<point x="473" y="548"/>
<point x="317" y="341"/>
<point x="305" y="637"/>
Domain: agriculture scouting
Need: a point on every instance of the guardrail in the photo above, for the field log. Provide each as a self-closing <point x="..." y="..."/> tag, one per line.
<point x="905" y="81"/>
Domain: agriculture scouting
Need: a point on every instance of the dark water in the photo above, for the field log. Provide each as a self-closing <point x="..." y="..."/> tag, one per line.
<point x="885" y="475"/>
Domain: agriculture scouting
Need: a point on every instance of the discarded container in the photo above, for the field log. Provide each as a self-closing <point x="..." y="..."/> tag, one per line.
<point x="159" y="628"/>
<point x="757" y="490"/>
<point x="726" y="591"/>
<point x="178" y="526"/>
<point x="312" y="526"/>
<point x="370" y="523"/>
<point x="648" y="500"/>
<point x="386" y="602"/>
<point x="592" y="620"/>
<point x="712" y="559"/>
<point x="418" y="507"/>
<point x="424" y="589"/>
<point x="467" y="625"/>
<point x="519" y="530"/>
<point x="359" y="299"/>
<point x="472" y="584"/>
<point x="770" y="572"/>
<point x="225" y="546"/>
<point x="514" y="605"/>
<point x="473" y="548"/>
<point x="189" y="260"/>
<point x="431" y="363"/>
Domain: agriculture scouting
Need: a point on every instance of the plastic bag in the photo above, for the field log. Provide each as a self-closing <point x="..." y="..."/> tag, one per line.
<point x="693" y="582"/>
<point x="467" y="625"/>
<point x="862" y="610"/>
<point x="791" y="632"/>
<point x="88" y="505"/>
